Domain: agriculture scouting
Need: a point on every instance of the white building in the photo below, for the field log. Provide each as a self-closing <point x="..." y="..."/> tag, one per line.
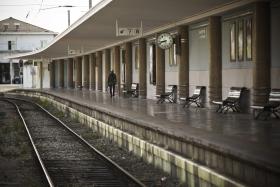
<point x="20" y="37"/>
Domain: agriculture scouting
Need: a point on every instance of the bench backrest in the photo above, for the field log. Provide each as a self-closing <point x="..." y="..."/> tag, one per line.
<point x="134" y="86"/>
<point x="235" y="93"/>
<point x="170" y="89"/>
<point x="274" y="95"/>
<point x="198" y="90"/>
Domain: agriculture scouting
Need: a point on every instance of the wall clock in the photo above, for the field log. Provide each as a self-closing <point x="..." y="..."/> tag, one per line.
<point x="164" y="40"/>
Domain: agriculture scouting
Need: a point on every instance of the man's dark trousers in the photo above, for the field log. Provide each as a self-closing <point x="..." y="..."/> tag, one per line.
<point x="112" y="90"/>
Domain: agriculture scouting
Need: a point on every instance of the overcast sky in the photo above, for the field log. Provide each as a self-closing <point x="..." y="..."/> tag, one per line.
<point x="42" y="12"/>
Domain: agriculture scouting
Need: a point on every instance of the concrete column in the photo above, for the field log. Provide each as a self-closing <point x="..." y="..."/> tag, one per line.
<point x="78" y="82"/>
<point x="107" y="65"/>
<point x="117" y="66"/>
<point x="142" y="68"/>
<point x="99" y="70"/>
<point x="160" y="70"/>
<point x="61" y="73"/>
<point x="41" y="74"/>
<point x="128" y="65"/>
<point x="261" y="52"/>
<point x="215" y="67"/>
<point x="86" y="72"/>
<point x="52" y="74"/>
<point x="65" y="73"/>
<point x="70" y="73"/>
<point x="183" y="88"/>
<point x="92" y="65"/>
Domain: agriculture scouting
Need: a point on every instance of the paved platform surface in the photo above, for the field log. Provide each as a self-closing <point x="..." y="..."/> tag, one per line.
<point x="8" y="87"/>
<point x="235" y="133"/>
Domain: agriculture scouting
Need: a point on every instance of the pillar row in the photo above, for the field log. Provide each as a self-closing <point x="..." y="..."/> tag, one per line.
<point x="117" y="66"/>
<point x="61" y="73"/>
<point x="70" y="83"/>
<point x="85" y="72"/>
<point x="215" y="66"/>
<point x="78" y="72"/>
<point x="261" y="52"/>
<point x="107" y="65"/>
<point x="160" y="70"/>
<point x="99" y="70"/>
<point x="183" y="88"/>
<point x="92" y="74"/>
<point x="52" y="74"/>
<point x="142" y="68"/>
<point x="128" y="65"/>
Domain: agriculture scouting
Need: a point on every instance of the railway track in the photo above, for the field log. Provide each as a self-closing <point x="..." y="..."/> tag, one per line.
<point x="65" y="157"/>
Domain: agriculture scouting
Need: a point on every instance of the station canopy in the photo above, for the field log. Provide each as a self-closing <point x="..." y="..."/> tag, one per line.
<point x="96" y="30"/>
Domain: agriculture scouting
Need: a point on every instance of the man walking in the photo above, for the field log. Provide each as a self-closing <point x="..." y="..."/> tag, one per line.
<point x="112" y="80"/>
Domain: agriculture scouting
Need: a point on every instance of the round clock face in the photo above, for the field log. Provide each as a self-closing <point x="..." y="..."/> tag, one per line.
<point x="165" y="41"/>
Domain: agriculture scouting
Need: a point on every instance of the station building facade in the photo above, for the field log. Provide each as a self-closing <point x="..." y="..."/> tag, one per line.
<point x="236" y="47"/>
<point x="18" y="37"/>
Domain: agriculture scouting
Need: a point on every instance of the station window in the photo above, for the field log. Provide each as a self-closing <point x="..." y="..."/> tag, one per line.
<point x="248" y="39"/>
<point x="241" y="40"/>
<point x="11" y="45"/>
<point x="152" y="55"/>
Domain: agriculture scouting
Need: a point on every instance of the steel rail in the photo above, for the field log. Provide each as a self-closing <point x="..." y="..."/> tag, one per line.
<point x="114" y="164"/>
<point x="50" y="182"/>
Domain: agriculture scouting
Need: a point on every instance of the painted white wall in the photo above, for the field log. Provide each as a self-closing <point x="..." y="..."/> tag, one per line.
<point x="199" y="57"/>
<point x="30" y="76"/>
<point x="24" y="42"/>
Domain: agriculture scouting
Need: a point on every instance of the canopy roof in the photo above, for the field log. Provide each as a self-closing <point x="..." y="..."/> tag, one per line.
<point x="96" y="30"/>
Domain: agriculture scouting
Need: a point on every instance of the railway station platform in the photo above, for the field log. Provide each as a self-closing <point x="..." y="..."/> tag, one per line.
<point x="7" y="87"/>
<point x="233" y="144"/>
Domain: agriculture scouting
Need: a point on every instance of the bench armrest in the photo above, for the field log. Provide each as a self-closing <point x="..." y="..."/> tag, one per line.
<point x="217" y="102"/>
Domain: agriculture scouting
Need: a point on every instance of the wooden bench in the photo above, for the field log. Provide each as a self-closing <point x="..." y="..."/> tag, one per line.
<point x="195" y="98"/>
<point x="272" y="107"/>
<point x="133" y="92"/>
<point x="169" y="95"/>
<point x="232" y="101"/>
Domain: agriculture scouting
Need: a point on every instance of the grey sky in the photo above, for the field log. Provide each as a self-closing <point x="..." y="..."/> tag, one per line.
<point x="54" y="19"/>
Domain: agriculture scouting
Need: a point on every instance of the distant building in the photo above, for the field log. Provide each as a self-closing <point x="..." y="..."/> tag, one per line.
<point x="20" y="37"/>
